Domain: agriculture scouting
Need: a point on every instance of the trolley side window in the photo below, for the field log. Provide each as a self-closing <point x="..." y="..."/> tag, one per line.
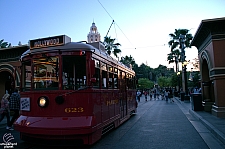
<point x="104" y="75"/>
<point x="46" y="73"/>
<point x="115" y="78"/>
<point x="110" y="77"/>
<point x="130" y="81"/>
<point x="74" y="72"/>
<point x="26" y="76"/>
<point x="97" y="74"/>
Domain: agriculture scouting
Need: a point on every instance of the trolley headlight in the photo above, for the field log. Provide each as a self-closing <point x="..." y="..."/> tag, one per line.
<point x="43" y="101"/>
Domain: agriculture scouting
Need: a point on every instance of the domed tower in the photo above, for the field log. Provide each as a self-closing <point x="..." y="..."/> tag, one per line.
<point x="93" y="35"/>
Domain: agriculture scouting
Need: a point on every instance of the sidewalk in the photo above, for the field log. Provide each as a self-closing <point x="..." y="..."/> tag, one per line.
<point x="214" y="124"/>
<point x="3" y="123"/>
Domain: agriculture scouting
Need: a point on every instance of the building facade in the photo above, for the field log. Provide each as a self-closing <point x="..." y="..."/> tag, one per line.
<point x="210" y="42"/>
<point x="10" y="68"/>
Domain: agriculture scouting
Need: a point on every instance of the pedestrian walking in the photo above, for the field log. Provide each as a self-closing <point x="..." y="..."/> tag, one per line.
<point x="150" y="94"/>
<point x="138" y="95"/>
<point x="171" y="95"/>
<point x="145" y="93"/>
<point x="163" y="94"/>
<point x="14" y="104"/>
<point x="166" y="94"/>
<point x="154" y="94"/>
<point x="4" y="110"/>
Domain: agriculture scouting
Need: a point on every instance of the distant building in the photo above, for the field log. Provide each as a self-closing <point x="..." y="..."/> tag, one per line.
<point x="94" y="38"/>
<point x="94" y="35"/>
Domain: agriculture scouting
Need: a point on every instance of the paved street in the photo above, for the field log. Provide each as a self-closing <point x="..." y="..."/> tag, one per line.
<point x="157" y="124"/>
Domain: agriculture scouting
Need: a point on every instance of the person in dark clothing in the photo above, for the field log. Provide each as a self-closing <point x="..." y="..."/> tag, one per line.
<point x="145" y="93"/>
<point x="14" y="104"/>
<point x="4" y="110"/>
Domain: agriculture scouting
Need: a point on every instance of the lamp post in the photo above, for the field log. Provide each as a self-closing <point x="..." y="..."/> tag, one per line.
<point x="186" y="96"/>
<point x="184" y="68"/>
<point x="190" y="75"/>
<point x="178" y="78"/>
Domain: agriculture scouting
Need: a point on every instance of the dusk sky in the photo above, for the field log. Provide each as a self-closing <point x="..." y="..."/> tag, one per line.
<point x="142" y="26"/>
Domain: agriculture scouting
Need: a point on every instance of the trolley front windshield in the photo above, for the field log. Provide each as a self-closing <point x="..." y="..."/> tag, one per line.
<point x="46" y="73"/>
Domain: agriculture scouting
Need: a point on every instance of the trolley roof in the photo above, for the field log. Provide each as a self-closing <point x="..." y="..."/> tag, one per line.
<point x="72" y="46"/>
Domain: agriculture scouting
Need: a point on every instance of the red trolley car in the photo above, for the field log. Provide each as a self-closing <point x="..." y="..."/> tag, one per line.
<point x="72" y="91"/>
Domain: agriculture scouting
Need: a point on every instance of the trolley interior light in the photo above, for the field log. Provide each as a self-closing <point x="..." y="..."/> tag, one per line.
<point x="43" y="101"/>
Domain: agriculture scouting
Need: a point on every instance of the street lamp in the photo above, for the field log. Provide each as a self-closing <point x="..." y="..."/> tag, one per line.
<point x="178" y="76"/>
<point x="185" y="87"/>
<point x="184" y="64"/>
<point x="190" y="76"/>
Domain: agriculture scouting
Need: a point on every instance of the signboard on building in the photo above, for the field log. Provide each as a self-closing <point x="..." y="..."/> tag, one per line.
<point x="50" y="41"/>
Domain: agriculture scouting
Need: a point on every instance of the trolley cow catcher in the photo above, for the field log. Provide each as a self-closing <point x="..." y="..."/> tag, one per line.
<point x="72" y="91"/>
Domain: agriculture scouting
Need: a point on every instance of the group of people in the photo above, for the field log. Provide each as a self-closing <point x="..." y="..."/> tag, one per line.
<point x="10" y="103"/>
<point x="166" y="94"/>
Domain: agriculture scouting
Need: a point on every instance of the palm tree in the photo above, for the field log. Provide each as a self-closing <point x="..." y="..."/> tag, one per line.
<point x="4" y="44"/>
<point x="177" y="55"/>
<point x="175" y="38"/>
<point x="128" y="60"/>
<point x="111" y="47"/>
<point x="174" y="57"/>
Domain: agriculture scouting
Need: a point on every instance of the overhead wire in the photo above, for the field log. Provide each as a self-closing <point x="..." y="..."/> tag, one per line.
<point x="122" y="31"/>
<point x="147" y="46"/>
<point x="115" y="23"/>
<point x="105" y="10"/>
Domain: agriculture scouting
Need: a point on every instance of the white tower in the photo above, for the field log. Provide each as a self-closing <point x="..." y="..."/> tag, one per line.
<point x="93" y="35"/>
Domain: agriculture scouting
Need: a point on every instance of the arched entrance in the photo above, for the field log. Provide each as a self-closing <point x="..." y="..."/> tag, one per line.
<point x="207" y="87"/>
<point x="6" y="82"/>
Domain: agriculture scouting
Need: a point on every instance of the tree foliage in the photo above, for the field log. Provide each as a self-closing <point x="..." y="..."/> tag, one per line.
<point x="144" y="83"/>
<point x="128" y="60"/>
<point x="164" y="81"/>
<point x="111" y="47"/>
<point x="4" y="44"/>
<point x="174" y="57"/>
<point x="175" y="45"/>
<point x="174" y="42"/>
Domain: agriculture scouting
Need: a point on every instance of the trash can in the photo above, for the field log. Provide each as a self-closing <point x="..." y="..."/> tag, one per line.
<point x="196" y="102"/>
<point x="182" y="96"/>
<point x="176" y="93"/>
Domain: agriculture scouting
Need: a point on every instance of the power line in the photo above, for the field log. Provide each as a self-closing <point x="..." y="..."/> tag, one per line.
<point x="114" y="23"/>
<point x="124" y="35"/>
<point x="105" y="10"/>
<point x="147" y="46"/>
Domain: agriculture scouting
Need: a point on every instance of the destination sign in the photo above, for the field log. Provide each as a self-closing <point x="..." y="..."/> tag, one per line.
<point x="50" y="41"/>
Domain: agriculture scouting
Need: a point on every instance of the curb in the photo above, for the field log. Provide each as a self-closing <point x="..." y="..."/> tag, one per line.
<point x="209" y="126"/>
